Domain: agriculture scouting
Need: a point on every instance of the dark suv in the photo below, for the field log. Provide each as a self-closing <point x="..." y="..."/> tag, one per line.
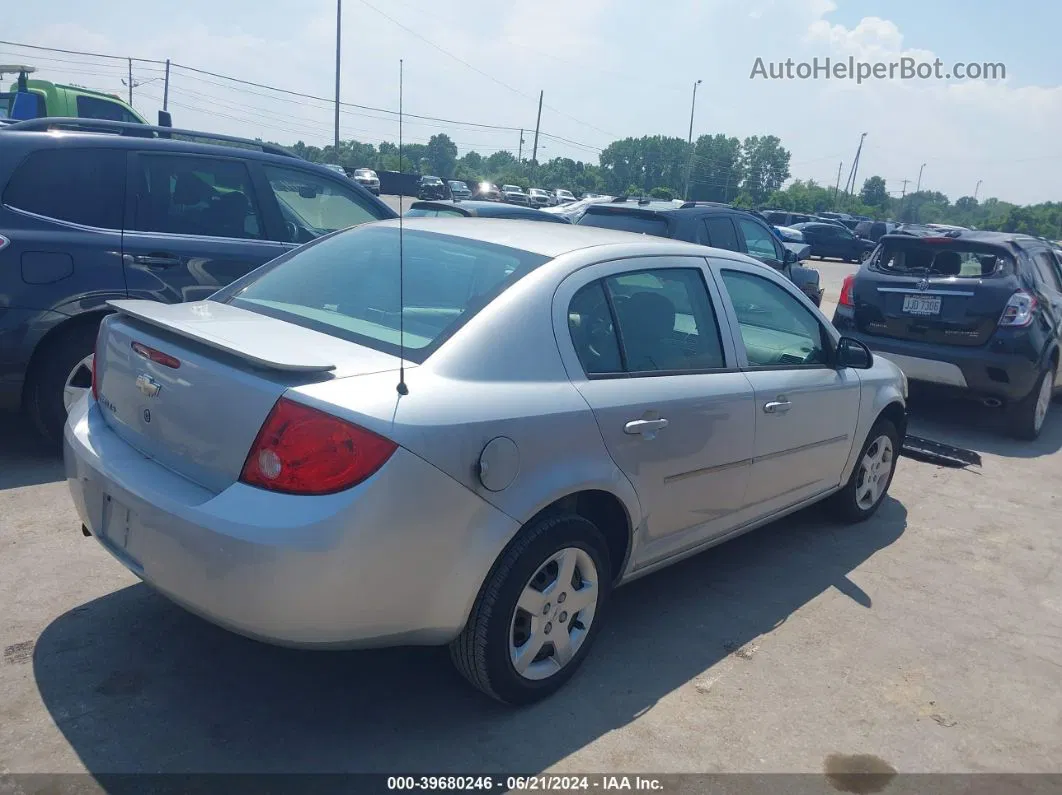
<point x="975" y="313"/>
<point x="708" y="224"/>
<point x="86" y="218"/>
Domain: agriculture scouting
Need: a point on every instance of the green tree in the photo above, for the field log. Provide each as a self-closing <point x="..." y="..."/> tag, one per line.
<point x="501" y="162"/>
<point x="874" y="193"/>
<point x="765" y="164"/>
<point x="717" y="168"/>
<point x="662" y="193"/>
<point x="441" y="154"/>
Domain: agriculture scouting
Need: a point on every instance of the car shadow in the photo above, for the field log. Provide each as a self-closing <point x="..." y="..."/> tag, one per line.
<point x="138" y="685"/>
<point x="25" y="458"/>
<point x="965" y="423"/>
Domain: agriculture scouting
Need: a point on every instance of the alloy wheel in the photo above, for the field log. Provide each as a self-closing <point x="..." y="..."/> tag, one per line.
<point x="78" y="382"/>
<point x="874" y="471"/>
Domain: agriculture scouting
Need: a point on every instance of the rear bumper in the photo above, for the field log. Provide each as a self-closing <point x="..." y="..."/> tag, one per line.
<point x="1006" y="375"/>
<point x="365" y="567"/>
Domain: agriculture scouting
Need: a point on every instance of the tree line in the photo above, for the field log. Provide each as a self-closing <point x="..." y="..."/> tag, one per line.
<point x="747" y="173"/>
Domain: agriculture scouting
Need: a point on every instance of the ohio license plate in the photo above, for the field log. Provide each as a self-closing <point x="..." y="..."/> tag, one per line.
<point x="921" y="304"/>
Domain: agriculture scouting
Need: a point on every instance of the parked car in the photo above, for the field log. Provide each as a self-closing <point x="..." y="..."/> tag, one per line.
<point x="335" y="167"/>
<point x="368" y="179"/>
<point x="977" y="314"/>
<point x="711" y="224"/>
<point x="563" y="196"/>
<point x="786" y="218"/>
<point x="90" y="217"/>
<point x="458" y="189"/>
<point x="514" y="194"/>
<point x="270" y="490"/>
<point x="537" y="197"/>
<point x="431" y="187"/>
<point x="873" y="230"/>
<point x="481" y="209"/>
<point x="487" y="191"/>
<point x="830" y="240"/>
<point x="790" y="235"/>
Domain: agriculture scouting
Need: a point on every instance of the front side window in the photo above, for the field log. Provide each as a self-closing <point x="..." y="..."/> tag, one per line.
<point x="96" y="108"/>
<point x="758" y="240"/>
<point x="776" y="328"/>
<point x="78" y="185"/>
<point x="312" y="205"/>
<point x="347" y="286"/>
<point x="192" y="195"/>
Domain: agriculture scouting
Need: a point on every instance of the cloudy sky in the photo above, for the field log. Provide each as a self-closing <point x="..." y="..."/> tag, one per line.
<point x="609" y="69"/>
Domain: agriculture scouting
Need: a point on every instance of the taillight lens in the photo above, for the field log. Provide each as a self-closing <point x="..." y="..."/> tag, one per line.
<point x="301" y="450"/>
<point x="3" y="242"/>
<point x="846" y="291"/>
<point x="1019" y="310"/>
<point x="95" y="359"/>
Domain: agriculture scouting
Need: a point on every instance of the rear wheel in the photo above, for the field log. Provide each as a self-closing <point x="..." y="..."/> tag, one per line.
<point x="61" y="377"/>
<point x="1028" y="414"/>
<point x="869" y="483"/>
<point x="538" y="612"/>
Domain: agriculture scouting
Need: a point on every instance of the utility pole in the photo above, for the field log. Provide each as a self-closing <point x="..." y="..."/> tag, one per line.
<point x="978" y="188"/>
<point x="130" y="82"/>
<point x="339" y="29"/>
<point x="837" y="185"/>
<point x="520" y="151"/>
<point x="849" y="186"/>
<point x="918" y="185"/>
<point x="166" y="88"/>
<point x="534" y="147"/>
<point x="689" y="142"/>
<point x="904" y="191"/>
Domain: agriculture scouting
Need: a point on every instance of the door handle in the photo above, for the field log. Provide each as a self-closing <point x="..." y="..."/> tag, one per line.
<point x="646" y="428"/>
<point x="777" y="406"/>
<point x="153" y="260"/>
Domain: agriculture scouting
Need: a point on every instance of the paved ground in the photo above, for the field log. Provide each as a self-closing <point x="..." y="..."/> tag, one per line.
<point x="929" y="638"/>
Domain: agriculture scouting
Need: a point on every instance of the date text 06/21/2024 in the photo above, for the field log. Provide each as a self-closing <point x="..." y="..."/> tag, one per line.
<point x="541" y="783"/>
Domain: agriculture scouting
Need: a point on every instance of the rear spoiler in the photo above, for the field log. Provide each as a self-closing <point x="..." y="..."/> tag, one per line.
<point x="227" y="328"/>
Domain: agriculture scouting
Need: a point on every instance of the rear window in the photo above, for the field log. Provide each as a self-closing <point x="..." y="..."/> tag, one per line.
<point x="433" y="212"/>
<point x="626" y="222"/>
<point x="347" y="286"/>
<point x="916" y="258"/>
<point x="95" y="108"/>
<point x="79" y="185"/>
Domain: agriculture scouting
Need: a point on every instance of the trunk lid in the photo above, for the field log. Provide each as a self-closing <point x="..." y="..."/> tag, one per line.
<point x="944" y="291"/>
<point x="200" y="417"/>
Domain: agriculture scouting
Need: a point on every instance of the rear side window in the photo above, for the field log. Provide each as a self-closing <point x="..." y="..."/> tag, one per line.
<point x="915" y="258"/>
<point x="192" y="195"/>
<point x="1047" y="267"/>
<point x="79" y="185"/>
<point x="347" y="286"/>
<point x="626" y="222"/>
<point x="96" y="108"/>
<point x="721" y="233"/>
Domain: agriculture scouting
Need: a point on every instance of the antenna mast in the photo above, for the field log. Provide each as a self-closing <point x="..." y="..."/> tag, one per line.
<point x="402" y="388"/>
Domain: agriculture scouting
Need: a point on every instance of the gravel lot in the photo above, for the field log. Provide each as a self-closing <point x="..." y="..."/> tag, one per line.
<point x="929" y="638"/>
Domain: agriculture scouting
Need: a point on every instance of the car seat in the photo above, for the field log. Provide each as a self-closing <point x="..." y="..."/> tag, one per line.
<point x="647" y="325"/>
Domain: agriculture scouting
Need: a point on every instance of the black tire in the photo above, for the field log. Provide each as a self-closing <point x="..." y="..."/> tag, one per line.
<point x="44" y="389"/>
<point x="481" y="652"/>
<point x="844" y="503"/>
<point x="1021" y="415"/>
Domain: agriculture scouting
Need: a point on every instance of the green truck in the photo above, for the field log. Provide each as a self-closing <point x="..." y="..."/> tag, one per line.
<point x="53" y="99"/>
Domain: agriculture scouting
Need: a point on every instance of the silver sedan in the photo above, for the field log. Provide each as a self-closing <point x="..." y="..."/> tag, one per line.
<point x="467" y="434"/>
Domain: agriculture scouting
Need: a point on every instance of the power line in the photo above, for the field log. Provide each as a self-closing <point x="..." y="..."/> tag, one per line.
<point x="78" y="52"/>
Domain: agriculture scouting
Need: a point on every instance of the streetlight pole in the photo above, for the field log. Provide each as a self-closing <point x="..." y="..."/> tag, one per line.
<point x="977" y="189"/>
<point x="689" y="141"/>
<point x="339" y="28"/>
<point x="918" y="185"/>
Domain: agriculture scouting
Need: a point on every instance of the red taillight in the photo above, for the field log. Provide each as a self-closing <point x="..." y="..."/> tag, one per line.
<point x="156" y="356"/>
<point x="846" y="291"/>
<point x="96" y="358"/>
<point x="301" y="450"/>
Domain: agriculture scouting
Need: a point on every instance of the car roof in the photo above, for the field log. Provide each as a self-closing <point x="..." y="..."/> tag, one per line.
<point x="661" y="206"/>
<point x="486" y="209"/>
<point x="967" y="236"/>
<point x="39" y="139"/>
<point x="549" y="240"/>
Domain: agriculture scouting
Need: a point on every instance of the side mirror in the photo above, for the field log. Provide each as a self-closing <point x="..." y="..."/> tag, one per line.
<point x="853" y="353"/>
<point x="795" y="252"/>
<point x="307" y="192"/>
